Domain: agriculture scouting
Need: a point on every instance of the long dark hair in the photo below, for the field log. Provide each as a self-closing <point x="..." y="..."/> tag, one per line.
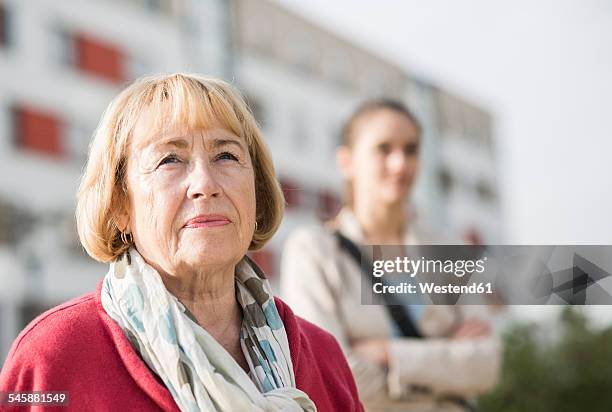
<point x="370" y="106"/>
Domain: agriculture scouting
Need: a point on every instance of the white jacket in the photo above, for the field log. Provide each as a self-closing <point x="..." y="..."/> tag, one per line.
<point x="322" y="284"/>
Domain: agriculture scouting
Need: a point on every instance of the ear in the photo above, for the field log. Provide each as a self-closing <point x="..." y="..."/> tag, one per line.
<point x="344" y="160"/>
<point x="122" y="219"/>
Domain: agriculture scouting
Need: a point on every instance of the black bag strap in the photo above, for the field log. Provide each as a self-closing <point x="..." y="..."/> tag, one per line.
<point x="396" y="310"/>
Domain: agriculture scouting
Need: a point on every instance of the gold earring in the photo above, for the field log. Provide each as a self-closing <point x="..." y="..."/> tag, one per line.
<point x="256" y="225"/>
<point x="124" y="238"/>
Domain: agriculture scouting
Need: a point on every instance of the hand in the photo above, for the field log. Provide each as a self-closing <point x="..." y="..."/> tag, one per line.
<point x="375" y="350"/>
<point x="472" y="328"/>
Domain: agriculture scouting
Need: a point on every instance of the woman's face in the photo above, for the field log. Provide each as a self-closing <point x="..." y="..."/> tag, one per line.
<point x="191" y="197"/>
<point x="383" y="161"/>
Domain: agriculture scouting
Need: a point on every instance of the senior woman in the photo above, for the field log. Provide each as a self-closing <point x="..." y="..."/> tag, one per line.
<point x="178" y="186"/>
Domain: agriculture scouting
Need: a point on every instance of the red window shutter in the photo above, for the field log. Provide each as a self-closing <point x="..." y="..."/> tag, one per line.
<point x="329" y="204"/>
<point x="265" y="260"/>
<point x="99" y="58"/>
<point x="473" y="237"/>
<point x="38" y="131"/>
<point x="291" y="193"/>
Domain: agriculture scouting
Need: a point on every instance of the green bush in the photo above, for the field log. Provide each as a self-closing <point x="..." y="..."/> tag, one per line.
<point x="572" y="374"/>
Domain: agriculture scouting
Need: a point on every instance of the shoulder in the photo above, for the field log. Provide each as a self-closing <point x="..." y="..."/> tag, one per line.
<point x="57" y="338"/>
<point x="312" y="269"/>
<point x="306" y="246"/>
<point x="58" y="323"/>
<point x="422" y="234"/>
<point x="309" y="336"/>
<point x="319" y="340"/>
<point x="310" y="238"/>
<point x="320" y="367"/>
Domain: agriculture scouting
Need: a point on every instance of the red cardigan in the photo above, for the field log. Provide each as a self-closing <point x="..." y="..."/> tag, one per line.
<point x="77" y="347"/>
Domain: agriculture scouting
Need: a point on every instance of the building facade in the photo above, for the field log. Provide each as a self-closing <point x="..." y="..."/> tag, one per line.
<point x="303" y="82"/>
<point x="64" y="61"/>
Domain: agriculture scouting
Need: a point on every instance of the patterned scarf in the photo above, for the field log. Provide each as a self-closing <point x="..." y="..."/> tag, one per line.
<point x="199" y="373"/>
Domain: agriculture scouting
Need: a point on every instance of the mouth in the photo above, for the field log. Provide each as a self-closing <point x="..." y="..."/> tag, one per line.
<point x="205" y="221"/>
<point x="401" y="182"/>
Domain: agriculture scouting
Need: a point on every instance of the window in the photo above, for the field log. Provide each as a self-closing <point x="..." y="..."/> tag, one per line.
<point x="337" y="66"/>
<point x="77" y="136"/>
<point x="300" y="131"/>
<point x="291" y="192"/>
<point x="301" y="51"/>
<point x="6" y="230"/>
<point x="61" y="47"/>
<point x="256" y="32"/>
<point x="30" y="310"/>
<point x="446" y="181"/>
<point x="257" y="108"/>
<point x="5" y="22"/>
<point x="450" y="114"/>
<point x="163" y="6"/>
<point x="137" y="65"/>
<point x="473" y="237"/>
<point x="90" y="55"/>
<point x="37" y="131"/>
<point x="98" y="58"/>
<point x="335" y="137"/>
<point x="265" y="260"/>
<point x="329" y="204"/>
<point x="485" y="191"/>
<point x="69" y="237"/>
<point x="10" y="224"/>
<point x="374" y="81"/>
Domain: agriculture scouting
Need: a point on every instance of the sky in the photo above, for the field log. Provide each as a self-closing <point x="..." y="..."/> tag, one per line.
<point x="543" y="68"/>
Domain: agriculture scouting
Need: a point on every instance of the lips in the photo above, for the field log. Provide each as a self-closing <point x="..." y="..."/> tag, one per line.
<point x="206" y="221"/>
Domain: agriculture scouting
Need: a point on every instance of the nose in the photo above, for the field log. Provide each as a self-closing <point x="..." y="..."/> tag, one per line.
<point x="202" y="182"/>
<point x="396" y="161"/>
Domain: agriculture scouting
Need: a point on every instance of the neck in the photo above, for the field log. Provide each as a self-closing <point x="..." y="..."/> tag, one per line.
<point x="381" y="223"/>
<point x="210" y="296"/>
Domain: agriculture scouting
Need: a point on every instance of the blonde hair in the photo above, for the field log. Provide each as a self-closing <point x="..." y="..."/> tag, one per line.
<point x="188" y="101"/>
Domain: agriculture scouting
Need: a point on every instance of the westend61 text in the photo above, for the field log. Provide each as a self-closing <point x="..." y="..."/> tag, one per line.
<point x="432" y="288"/>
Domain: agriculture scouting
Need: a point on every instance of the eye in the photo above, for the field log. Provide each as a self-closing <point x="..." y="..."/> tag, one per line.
<point x="226" y="156"/>
<point x="411" y="149"/>
<point x="384" y="148"/>
<point x="172" y="158"/>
